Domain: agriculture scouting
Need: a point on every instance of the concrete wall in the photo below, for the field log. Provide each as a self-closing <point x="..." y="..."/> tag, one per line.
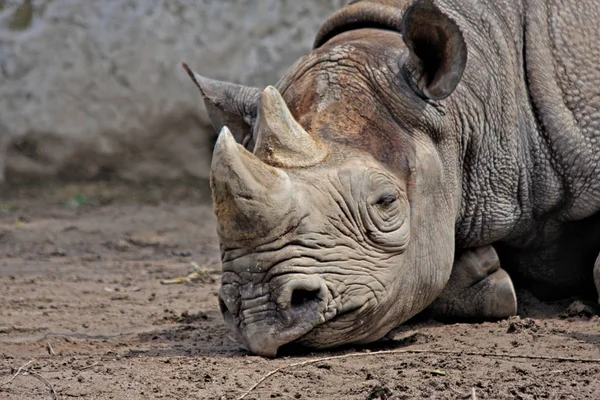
<point x="94" y="88"/>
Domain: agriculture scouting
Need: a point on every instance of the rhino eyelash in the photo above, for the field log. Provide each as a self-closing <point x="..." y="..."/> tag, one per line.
<point x="386" y="200"/>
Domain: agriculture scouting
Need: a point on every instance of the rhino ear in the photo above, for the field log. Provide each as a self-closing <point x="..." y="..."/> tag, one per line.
<point x="438" y="53"/>
<point x="230" y="105"/>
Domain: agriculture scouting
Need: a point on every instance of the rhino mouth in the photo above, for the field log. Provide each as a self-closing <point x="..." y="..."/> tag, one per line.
<point x="334" y="332"/>
<point x="344" y="316"/>
<point x="345" y="313"/>
<point x="360" y="15"/>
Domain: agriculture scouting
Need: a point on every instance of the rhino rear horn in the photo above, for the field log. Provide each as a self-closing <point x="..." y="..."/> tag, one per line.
<point x="230" y="105"/>
<point x="438" y="53"/>
<point x="280" y="139"/>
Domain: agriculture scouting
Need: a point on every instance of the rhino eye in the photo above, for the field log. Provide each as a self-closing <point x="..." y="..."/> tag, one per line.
<point x="386" y="200"/>
<point x="387" y="222"/>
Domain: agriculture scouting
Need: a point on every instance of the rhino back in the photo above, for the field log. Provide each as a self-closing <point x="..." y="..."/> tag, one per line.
<point x="563" y="75"/>
<point x="528" y="115"/>
<point x="531" y="180"/>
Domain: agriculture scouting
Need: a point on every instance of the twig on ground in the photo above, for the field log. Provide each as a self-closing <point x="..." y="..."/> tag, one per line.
<point x="50" y="349"/>
<point x="199" y="274"/>
<point x="460" y="394"/>
<point x="197" y="268"/>
<point x="21" y="368"/>
<point x="417" y="351"/>
<point x="473" y="394"/>
<point x="87" y="366"/>
<point x="45" y="381"/>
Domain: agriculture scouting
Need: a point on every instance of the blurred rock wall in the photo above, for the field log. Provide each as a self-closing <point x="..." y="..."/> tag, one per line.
<point x="94" y="88"/>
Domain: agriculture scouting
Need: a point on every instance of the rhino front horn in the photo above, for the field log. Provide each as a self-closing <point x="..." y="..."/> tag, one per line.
<point x="250" y="197"/>
<point x="281" y="141"/>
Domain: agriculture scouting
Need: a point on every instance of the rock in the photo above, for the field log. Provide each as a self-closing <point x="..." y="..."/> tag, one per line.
<point x="518" y="325"/>
<point x="580" y="309"/>
<point x="379" y="392"/>
<point x="94" y="89"/>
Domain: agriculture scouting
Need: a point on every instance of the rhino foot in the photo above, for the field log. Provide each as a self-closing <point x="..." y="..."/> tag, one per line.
<point x="478" y="288"/>
<point x="597" y="276"/>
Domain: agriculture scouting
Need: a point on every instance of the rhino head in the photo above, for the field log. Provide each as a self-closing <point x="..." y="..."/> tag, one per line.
<point x="336" y="192"/>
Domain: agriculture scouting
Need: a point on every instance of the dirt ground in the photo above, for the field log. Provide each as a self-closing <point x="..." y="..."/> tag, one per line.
<point x="81" y="300"/>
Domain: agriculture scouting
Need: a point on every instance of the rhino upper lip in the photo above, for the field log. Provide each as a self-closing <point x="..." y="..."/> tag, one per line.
<point x="337" y="317"/>
<point x="345" y="313"/>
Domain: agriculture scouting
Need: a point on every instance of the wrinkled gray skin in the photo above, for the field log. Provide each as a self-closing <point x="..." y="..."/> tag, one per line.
<point x="401" y="165"/>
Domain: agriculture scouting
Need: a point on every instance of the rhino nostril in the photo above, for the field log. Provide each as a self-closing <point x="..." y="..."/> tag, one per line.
<point x="301" y="297"/>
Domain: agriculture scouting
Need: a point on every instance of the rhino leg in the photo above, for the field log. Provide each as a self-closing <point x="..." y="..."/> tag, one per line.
<point x="478" y="288"/>
<point x="597" y="276"/>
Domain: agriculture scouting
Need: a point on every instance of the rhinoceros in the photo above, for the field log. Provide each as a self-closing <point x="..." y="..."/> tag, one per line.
<point x="419" y="157"/>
